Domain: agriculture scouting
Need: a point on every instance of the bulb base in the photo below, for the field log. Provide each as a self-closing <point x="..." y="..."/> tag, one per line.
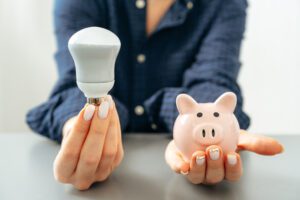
<point x="94" y="101"/>
<point x="95" y="90"/>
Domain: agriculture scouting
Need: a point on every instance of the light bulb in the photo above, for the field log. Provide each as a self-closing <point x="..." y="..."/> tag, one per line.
<point x="94" y="51"/>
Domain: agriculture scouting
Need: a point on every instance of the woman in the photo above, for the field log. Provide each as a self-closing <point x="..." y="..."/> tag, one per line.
<point x="168" y="47"/>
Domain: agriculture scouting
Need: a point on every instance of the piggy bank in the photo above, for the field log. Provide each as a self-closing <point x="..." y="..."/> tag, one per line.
<point x="200" y="125"/>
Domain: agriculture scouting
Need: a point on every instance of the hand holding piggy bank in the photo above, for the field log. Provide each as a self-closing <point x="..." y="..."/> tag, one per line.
<point x="201" y="125"/>
<point x="206" y="136"/>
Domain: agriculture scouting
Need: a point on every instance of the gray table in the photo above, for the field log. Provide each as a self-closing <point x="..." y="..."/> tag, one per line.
<point x="26" y="173"/>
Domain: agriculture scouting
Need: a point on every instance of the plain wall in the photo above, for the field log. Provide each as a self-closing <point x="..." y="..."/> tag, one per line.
<point x="269" y="75"/>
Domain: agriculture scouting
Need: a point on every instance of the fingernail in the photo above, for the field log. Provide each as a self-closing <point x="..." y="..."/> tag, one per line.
<point x="110" y="101"/>
<point x="200" y="160"/>
<point x="103" y="109"/>
<point x="88" y="112"/>
<point x="231" y="159"/>
<point x="184" y="173"/>
<point x="214" y="153"/>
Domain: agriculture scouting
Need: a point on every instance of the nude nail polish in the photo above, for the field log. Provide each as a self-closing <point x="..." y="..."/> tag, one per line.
<point x="200" y="160"/>
<point x="214" y="153"/>
<point x="231" y="159"/>
<point x="89" y="112"/>
<point x="103" y="109"/>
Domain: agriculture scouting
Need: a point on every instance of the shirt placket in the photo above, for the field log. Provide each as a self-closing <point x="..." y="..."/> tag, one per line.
<point x="173" y="17"/>
<point x="139" y="65"/>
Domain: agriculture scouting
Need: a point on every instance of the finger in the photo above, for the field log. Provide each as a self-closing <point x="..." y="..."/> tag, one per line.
<point x="82" y="184"/>
<point x="259" y="144"/>
<point x="67" y="158"/>
<point x="119" y="155"/>
<point x="92" y="149"/>
<point x="105" y="165"/>
<point x="120" y="150"/>
<point x="68" y="125"/>
<point x="175" y="160"/>
<point x="197" y="168"/>
<point x="214" y="165"/>
<point x="233" y="167"/>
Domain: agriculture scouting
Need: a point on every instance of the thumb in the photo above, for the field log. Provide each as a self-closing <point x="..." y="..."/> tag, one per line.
<point x="174" y="159"/>
<point x="259" y="144"/>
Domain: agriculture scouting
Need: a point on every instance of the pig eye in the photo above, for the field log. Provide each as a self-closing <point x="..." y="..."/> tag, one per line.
<point x="199" y="114"/>
<point x="216" y="114"/>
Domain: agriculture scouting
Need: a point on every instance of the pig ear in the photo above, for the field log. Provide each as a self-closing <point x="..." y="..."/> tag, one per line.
<point x="185" y="103"/>
<point x="227" y="100"/>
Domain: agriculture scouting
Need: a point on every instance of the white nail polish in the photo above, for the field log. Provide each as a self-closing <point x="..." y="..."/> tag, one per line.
<point x="200" y="160"/>
<point x="103" y="109"/>
<point x="214" y="154"/>
<point x="110" y="101"/>
<point x="184" y="173"/>
<point x="231" y="159"/>
<point x="88" y="112"/>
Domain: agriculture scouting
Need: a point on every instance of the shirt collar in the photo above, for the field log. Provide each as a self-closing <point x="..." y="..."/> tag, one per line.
<point x="175" y="16"/>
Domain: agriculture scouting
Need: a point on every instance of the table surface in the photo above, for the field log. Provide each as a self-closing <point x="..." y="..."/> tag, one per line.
<point x="27" y="159"/>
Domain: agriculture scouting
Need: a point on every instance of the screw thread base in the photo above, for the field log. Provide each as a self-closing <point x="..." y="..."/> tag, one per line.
<point x="94" y="101"/>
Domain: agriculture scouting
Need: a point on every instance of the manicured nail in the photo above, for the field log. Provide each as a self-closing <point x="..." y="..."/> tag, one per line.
<point x="103" y="109"/>
<point x="89" y="112"/>
<point x="184" y="173"/>
<point x="110" y="101"/>
<point x="214" y="153"/>
<point x="231" y="159"/>
<point x="200" y="160"/>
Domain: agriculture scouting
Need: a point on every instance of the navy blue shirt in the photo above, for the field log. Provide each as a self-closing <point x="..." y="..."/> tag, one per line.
<point x="194" y="49"/>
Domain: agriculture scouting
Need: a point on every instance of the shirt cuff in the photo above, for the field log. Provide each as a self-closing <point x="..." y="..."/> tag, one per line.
<point x="49" y="118"/>
<point x="161" y="107"/>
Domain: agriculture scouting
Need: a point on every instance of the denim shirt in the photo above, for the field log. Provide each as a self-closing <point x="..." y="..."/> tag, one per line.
<point x="194" y="49"/>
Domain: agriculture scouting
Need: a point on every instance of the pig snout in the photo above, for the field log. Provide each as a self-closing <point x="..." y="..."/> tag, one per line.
<point x="208" y="134"/>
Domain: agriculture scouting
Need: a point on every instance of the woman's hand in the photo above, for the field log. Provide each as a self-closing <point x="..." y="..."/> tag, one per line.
<point x="211" y="166"/>
<point x="91" y="148"/>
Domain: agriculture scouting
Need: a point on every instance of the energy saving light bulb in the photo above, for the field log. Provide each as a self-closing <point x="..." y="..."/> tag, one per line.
<point x="94" y="51"/>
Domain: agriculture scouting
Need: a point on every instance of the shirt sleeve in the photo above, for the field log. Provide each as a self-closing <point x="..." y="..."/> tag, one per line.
<point x="66" y="100"/>
<point x="214" y="71"/>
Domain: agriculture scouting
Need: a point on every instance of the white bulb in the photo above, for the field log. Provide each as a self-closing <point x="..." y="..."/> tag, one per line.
<point x="94" y="51"/>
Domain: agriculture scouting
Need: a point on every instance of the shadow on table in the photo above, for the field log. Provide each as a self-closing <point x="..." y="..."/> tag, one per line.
<point x="126" y="182"/>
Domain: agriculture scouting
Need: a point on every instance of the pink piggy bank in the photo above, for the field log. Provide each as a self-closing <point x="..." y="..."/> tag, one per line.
<point x="200" y="125"/>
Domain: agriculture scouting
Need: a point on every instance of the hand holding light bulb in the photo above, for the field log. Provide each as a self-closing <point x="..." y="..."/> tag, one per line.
<point x="92" y="146"/>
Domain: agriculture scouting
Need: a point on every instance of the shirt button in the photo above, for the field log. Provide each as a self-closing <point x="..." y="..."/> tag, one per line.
<point x="154" y="126"/>
<point x="189" y="5"/>
<point x="141" y="58"/>
<point x="139" y="110"/>
<point x="140" y="4"/>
